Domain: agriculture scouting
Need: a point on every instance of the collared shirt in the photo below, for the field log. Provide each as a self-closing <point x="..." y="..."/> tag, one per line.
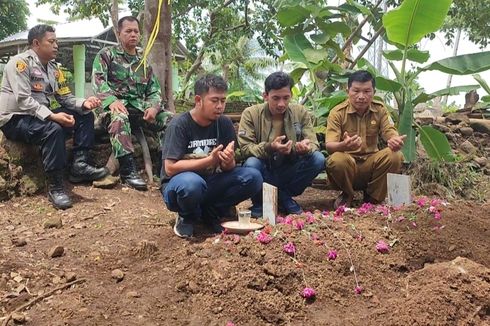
<point x="117" y="75"/>
<point x="256" y="133"/>
<point x="374" y="122"/>
<point x="30" y="88"/>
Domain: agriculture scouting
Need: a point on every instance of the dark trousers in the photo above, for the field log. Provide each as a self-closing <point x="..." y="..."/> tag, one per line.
<point x="51" y="136"/>
<point x="291" y="178"/>
<point x="187" y="192"/>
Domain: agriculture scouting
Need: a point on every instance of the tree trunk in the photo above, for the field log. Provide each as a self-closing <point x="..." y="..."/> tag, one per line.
<point x="115" y="16"/>
<point x="160" y="57"/>
<point x="455" y="52"/>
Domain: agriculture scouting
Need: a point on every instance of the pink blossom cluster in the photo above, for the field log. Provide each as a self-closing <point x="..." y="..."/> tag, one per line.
<point x="365" y="208"/>
<point x="299" y="224"/>
<point x="310" y="218"/>
<point x="435" y="211"/>
<point x="308" y="293"/>
<point x="339" y="212"/>
<point x="289" y="248"/>
<point x="264" y="237"/>
<point x="383" y="209"/>
<point x="358" y="289"/>
<point x="382" y="247"/>
<point x="332" y="254"/>
<point x="422" y="201"/>
<point x="230" y="323"/>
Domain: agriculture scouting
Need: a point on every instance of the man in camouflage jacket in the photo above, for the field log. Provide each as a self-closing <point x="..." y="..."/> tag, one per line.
<point x="131" y="92"/>
<point x="37" y="107"/>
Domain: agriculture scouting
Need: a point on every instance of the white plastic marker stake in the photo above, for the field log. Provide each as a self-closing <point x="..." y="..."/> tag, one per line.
<point x="269" y="203"/>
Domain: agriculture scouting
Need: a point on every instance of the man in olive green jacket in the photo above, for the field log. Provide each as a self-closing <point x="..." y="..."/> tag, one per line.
<point x="278" y="139"/>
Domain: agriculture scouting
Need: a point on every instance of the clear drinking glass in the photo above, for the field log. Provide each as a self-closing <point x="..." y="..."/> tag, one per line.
<point x="244" y="217"/>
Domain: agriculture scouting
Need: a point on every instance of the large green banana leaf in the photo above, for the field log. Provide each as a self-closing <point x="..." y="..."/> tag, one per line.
<point x="464" y="64"/>
<point x="455" y="90"/>
<point x="436" y="144"/>
<point x="483" y="83"/>
<point x="409" y="23"/>
<point x="412" y="55"/>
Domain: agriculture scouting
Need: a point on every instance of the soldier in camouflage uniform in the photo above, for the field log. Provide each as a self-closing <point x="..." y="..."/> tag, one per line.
<point x="37" y="107"/>
<point x="131" y="93"/>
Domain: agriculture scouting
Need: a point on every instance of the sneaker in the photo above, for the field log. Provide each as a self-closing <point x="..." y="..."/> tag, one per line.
<point x="182" y="229"/>
<point x="214" y="224"/>
<point x="290" y="206"/>
<point x="211" y="217"/>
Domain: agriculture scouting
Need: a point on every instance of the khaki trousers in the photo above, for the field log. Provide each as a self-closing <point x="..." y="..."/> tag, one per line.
<point x="349" y="174"/>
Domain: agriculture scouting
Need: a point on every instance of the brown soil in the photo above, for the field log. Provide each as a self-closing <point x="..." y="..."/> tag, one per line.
<point x="432" y="275"/>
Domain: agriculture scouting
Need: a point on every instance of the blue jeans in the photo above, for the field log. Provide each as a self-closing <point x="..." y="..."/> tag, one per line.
<point x="188" y="192"/>
<point x="291" y="178"/>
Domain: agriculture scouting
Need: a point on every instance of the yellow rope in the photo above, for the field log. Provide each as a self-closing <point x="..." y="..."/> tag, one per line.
<point x="152" y="38"/>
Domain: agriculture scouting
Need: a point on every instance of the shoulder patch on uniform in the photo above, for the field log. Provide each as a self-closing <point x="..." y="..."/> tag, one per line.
<point x="20" y="65"/>
<point x="242" y="132"/>
<point x="64" y="90"/>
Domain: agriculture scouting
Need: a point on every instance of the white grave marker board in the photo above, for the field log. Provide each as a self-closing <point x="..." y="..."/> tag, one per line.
<point x="269" y="203"/>
<point x="398" y="189"/>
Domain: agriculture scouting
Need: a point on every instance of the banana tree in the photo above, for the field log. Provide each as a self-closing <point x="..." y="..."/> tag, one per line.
<point x="405" y="26"/>
<point x="312" y="34"/>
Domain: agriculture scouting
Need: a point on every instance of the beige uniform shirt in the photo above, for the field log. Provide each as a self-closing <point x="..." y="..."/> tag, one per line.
<point x="375" y="122"/>
<point x="29" y="88"/>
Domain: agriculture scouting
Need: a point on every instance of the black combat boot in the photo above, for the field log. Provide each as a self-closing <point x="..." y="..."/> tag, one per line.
<point x="129" y="173"/>
<point x="56" y="190"/>
<point x="82" y="171"/>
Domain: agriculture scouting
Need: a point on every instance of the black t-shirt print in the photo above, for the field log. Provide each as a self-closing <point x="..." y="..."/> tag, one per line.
<point x="185" y="139"/>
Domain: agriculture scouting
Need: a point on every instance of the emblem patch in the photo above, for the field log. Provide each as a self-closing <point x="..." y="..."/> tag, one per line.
<point x="37" y="86"/>
<point x="373" y="122"/>
<point x="20" y="66"/>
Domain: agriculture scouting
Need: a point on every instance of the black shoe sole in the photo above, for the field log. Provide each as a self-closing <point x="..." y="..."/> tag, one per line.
<point x="141" y="188"/>
<point x="80" y="179"/>
<point x="59" y="206"/>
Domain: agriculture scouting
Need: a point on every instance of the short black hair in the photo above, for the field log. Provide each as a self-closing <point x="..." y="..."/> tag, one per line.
<point x="278" y="80"/>
<point x="361" y="76"/>
<point x="205" y="83"/>
<point x="38" y="32"/>
<point x="126" y="18"/>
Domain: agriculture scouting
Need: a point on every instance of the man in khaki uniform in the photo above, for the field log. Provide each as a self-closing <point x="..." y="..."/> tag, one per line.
<point x="353" y="127"/>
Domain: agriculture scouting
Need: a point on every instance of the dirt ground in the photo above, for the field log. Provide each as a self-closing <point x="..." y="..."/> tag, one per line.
<point x="435" y="273"/>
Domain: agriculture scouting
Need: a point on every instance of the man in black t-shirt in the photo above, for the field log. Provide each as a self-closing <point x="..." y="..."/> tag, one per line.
<point x="199" y="177"/>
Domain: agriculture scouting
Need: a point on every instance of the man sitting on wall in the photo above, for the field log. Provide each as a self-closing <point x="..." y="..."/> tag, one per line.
<point x="37" y="107"/>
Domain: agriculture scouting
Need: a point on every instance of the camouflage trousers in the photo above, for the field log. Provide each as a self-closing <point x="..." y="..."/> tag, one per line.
<point x="120" y="129"/>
